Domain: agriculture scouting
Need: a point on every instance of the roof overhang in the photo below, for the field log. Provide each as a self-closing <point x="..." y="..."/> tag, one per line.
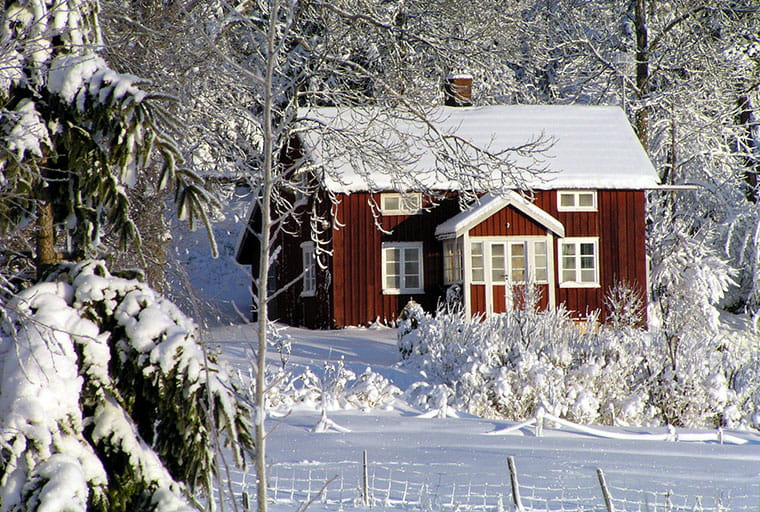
<point x="675" y="188"/>
<point x="487" y="206"/>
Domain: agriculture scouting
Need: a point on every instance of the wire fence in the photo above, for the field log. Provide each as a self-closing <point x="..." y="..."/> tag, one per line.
<point x="363" y="485"/>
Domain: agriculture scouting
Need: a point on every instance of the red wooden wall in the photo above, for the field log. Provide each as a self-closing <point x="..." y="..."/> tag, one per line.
<point x="349" y="292"/>
<point x="619" y="222"/>
<point x="356" y="281"/>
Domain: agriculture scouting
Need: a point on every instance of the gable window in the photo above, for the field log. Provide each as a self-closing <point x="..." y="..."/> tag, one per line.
<point x="394" y="203"/>
<point x="576" y="201"/>
<point x="309" y="270"/>
<point x="452" y="261"/>
<point x="579" y="263"/>
<point x="402" y="268"/>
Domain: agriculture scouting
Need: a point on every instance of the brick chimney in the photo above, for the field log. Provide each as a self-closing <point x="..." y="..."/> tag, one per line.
<point x="457" y="91"/>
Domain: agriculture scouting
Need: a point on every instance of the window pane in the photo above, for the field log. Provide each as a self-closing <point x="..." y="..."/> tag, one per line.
<point x="568" y="249"/>
<point x="412" y="202"/>
<point x="586" y="199"/>
<point x="568" y="263"/>
<point x="411" y="255"/>
<point x="587" y="249"/>
<point x="498" y="272"/>
<point x="411" y="267"/>
<point x="568" y="275"/>
<point x="567" y="200"/>
<point x="541" y="275"/>
<point x="588" y="276"/>
<point x="391" y="203"/>
<point x="412" y="282"/>
<point x="393" y="282"/>
<point x="476" y="251"/>
<point x="517" y="262"/>
<point x="587" y="262"/>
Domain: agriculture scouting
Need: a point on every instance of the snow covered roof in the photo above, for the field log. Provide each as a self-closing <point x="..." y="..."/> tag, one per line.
<point x="490" y="204"/>
<point x="593" y="146"/>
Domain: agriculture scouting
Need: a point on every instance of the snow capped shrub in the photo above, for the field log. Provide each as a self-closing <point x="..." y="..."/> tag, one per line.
<point x="509" y="365"/>
<point x="336" y="387"/>
<point x="104" y="398"/>
<point x="408" y="321"/>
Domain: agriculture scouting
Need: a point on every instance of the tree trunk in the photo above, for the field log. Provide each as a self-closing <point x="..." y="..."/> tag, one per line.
<point x="264" y="262"/>
<point x="642" y="73"/>
<point x="46" y="256"/>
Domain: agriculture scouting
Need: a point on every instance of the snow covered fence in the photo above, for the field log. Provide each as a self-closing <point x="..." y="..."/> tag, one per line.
<point x="671" y="435"/>
<point x="341" y="486"/>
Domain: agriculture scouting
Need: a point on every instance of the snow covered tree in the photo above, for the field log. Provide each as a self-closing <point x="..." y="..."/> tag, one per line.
<point x="282" y="58"/>
<point x="685" y="72"/>
<point x="74" y="134"/>
<point x="107" y="401"/>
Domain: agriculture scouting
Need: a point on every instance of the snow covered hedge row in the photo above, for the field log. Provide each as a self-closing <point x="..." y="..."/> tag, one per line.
<point x="105" y="397"/>
<point x="507" y="365"/>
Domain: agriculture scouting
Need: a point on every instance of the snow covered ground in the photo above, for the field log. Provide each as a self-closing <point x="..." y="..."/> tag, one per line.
<point x="423" y="463"/>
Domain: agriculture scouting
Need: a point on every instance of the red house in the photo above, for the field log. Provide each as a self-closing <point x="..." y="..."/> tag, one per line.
<point x="579" y="231"/>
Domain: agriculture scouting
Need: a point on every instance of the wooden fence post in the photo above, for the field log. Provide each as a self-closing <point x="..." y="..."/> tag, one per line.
<point x="246" y="502"/>
<point x="515" y="486"/>
<point x="540" y="414"/>
<point x="605" y="491"/>
<point x="365" y="480"/>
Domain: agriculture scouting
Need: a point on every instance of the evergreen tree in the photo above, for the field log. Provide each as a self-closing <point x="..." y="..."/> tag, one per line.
<point x="75" y="134"/>
<point x="107" y="401"/>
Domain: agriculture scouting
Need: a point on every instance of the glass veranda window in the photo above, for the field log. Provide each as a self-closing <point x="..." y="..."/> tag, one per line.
<point x="452" y="261"/>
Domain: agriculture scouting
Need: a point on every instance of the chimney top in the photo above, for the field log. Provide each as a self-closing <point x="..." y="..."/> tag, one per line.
<point x="457" y="90"/>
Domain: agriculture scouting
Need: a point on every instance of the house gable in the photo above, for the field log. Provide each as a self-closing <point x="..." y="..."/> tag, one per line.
<point x="489" y="205"/>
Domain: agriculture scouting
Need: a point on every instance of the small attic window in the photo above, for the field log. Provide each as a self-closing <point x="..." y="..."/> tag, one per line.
<point x="393" y="203"/>
<point x="576" y="201"/>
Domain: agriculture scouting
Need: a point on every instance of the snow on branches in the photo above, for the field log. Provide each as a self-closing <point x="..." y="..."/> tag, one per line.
<point x="511" y="364"/>
<point x="107" y="401"/>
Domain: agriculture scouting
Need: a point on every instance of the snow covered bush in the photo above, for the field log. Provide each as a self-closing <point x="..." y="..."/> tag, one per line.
<point x="107" y="400"/>
<point x="335" y="387"/>
<point x="508" y="365"/>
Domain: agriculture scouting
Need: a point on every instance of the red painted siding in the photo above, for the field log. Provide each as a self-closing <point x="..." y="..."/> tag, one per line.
<point x="357" y="287"/>
<point x="508" y="222"/>
<point x="620" y="225"/>
<point x="349" y="292"/>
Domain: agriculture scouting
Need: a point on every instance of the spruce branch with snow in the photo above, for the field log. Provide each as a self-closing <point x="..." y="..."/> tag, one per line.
<point x="75" y="134"/>
<point x="107" y="400"/>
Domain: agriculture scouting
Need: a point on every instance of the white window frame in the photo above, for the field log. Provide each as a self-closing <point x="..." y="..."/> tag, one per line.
<point x="577" y="241"/>
<point x="409" y="203"/>
<point x="402" y="289"/>
<point x="575" y="194"/>
<point x="529" y="258"/>
<point x="309" y="262"/>
<point x="472" y="255"/>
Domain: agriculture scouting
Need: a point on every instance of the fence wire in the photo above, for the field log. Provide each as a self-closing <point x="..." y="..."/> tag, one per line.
<point x="339" y="486"/>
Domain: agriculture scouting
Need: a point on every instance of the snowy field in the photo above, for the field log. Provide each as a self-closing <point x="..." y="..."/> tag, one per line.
<point x="434" y="464"/>
<point x="417" y="462"/>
